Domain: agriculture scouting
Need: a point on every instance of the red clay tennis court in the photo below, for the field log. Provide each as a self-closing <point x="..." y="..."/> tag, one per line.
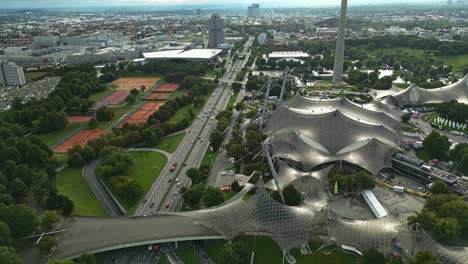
<point x="168" y="87"/>
<point x="158" y="96"/>
<point x="116" y="97"/>
<point x="128" y="84"/>
<point x="79" y="119"/>
<point x="80" y="138"/>
<point x="142" y="114"/>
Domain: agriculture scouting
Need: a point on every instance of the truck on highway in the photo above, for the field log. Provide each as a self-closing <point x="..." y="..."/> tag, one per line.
<point x="173" y="167"/>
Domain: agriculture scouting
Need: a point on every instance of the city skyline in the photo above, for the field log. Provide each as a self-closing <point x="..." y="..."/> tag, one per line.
<point x="272" y="3"/>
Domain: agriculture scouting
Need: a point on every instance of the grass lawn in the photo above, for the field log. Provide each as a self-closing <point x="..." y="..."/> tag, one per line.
<point x="170" y="143"/>
<point x="147" y="167"/>
<point x="397" y="50"/>
<point x="228" y="195"/>
<point x="177" y="93"/>
<point x="411" y="129"/>
<point x="54" y="137"/>
<point x="458" y="62"/>
<point x="71" y="183"/>
<point x="187" y="253"/>
<point x="209" y="158"/>
<point x="97" y="96"/>
<point x="182" y="111"/>
<point x="232" y="100"/>
<point x="422" y="154"/>
<point x="61" y="158"/>
<point x="267" y="251"/>
<point x="163" y="260"/>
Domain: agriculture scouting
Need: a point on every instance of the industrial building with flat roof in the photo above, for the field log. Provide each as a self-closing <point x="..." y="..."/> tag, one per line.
<point x="277" y="55"/>
<point x="192" y="55"/>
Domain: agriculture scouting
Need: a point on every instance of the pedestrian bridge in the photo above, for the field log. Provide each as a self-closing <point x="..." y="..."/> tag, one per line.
<point x="94" y="234"/>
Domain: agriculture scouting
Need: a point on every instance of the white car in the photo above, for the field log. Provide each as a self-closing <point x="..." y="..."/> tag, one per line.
<point x="224" y="173"/>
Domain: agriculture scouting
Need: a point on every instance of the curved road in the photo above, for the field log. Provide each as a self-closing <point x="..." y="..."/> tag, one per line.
<point x="103" y="196"/>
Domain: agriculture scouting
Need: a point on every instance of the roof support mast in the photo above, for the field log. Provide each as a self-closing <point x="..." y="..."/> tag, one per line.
<point x="279" y="188"/>
<point x="286" y="72"/>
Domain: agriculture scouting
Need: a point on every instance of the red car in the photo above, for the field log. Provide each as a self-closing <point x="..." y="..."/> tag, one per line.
<point x="174" y="166"/>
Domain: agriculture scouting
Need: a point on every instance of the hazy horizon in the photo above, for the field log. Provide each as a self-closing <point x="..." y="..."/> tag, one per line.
<point x="270" y="3"/>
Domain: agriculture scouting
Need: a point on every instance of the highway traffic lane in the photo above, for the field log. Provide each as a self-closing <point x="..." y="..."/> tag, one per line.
<point x="214" y="100"/>
<point x="196" y="158"/>
<point x="179" y="156"/>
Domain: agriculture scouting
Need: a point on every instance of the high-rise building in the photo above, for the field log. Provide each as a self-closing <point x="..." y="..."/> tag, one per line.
<point x="11" y="74"/>
<point x="253" y="10"/>
<point x="215" y="31"/>
<point x="339" y="54"/>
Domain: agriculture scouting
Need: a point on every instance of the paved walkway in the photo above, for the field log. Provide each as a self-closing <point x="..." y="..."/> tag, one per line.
<point x="165" y="153"/>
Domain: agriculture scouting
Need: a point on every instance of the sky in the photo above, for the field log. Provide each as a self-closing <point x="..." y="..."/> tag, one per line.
<point x="282" y="3"/>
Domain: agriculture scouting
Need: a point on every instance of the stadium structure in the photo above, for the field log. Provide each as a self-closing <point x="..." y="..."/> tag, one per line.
<point x="415" y="95"/>
<point x="311" y="133"/>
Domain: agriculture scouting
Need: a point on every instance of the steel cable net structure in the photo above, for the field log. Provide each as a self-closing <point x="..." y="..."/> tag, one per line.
<point x="375" y="112"/>
<point x="415" y="95"/>
<point x="288" y="226"/>
<point x="312" y="138"/>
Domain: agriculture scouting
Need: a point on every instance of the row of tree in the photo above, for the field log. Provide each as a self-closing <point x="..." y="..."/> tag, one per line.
<point x="453" y="111"/>
<point x="351" y="183"/>
<point x="70" y="96"/>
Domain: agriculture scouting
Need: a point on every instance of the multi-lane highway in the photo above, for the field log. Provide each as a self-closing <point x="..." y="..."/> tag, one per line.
<point x="164" y="193"/>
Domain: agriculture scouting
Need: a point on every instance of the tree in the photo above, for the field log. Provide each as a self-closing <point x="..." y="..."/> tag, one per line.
<point x="371" y="256"/>
<point x="236" y="151"/>
<point x="18" y="189"/>
<point x="46" y="245"/>
<point x="235" y="186"/>
<point x="130" y="99"/>
<point x="5" y="234"/>
<point x="21" y="219"/>
<point x="405" y="118"/>
<point x="424" y="257"/>
<point x="104" y="114"/>
<point x="212" y="196"/>
<point x="134" y="91"/>
<point x="446" y="229"/>
<point x="193" y="196"/>
<point x="48" y="219"/>
<point x="436" y="144"/>
<point x="216" y="139"/>
<point x="235" y="253"/>
<point x="439" y="187"/>
<point x="65" y="204"/>
<point x="8" y="256"/>
<point x="86" y="259"/>
<point x="229" y="256"/>
<point x="195" y="175"/>
<point x="142" y="88"/>
<point x="92" y="124"/>
<point x="117" y="159"/>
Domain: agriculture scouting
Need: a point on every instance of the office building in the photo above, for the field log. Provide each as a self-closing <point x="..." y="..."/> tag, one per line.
<point x="254" y="10"/>
<point x="215" y="31"/>
<point x="11" y="74"/>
